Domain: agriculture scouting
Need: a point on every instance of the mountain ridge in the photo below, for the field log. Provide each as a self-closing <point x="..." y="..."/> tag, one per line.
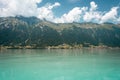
<point x="24" y="31"/>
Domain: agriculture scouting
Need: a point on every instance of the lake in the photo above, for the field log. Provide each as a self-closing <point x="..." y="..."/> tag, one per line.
<point x="60" y="64"/>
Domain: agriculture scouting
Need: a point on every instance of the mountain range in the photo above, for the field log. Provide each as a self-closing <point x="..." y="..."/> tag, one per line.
<point x="31" y="31"/>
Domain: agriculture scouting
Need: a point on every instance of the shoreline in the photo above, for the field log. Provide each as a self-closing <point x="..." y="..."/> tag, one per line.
<point x="57" y="47"/>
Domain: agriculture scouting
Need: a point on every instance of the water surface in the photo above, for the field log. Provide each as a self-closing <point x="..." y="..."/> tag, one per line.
<point x="76" y="64"/>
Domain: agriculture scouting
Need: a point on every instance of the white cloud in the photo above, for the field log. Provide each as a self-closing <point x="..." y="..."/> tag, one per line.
<point x="46" y="12"/>
<point x="118" y="19"/>
<point x="29" y="8"/>
<point x="93" y="6"/>
<point x="111" y="15"/>
<point x="92" y="14"/>
<point x="71" y="16"/>
<point x="18" y="7"/>
<point x="54" y="5"/>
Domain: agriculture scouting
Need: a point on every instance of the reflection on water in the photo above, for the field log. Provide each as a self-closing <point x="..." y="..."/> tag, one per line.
<point x="60" y="64"/>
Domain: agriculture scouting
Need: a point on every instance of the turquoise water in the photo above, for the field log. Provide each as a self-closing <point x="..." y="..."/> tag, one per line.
<point x="77" y="64"/>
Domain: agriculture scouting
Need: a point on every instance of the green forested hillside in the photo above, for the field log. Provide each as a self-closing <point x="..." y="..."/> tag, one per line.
<point x="24" y="31"/>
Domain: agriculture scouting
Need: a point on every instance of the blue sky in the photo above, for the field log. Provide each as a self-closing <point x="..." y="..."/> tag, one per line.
<point x="64" y="11"/>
